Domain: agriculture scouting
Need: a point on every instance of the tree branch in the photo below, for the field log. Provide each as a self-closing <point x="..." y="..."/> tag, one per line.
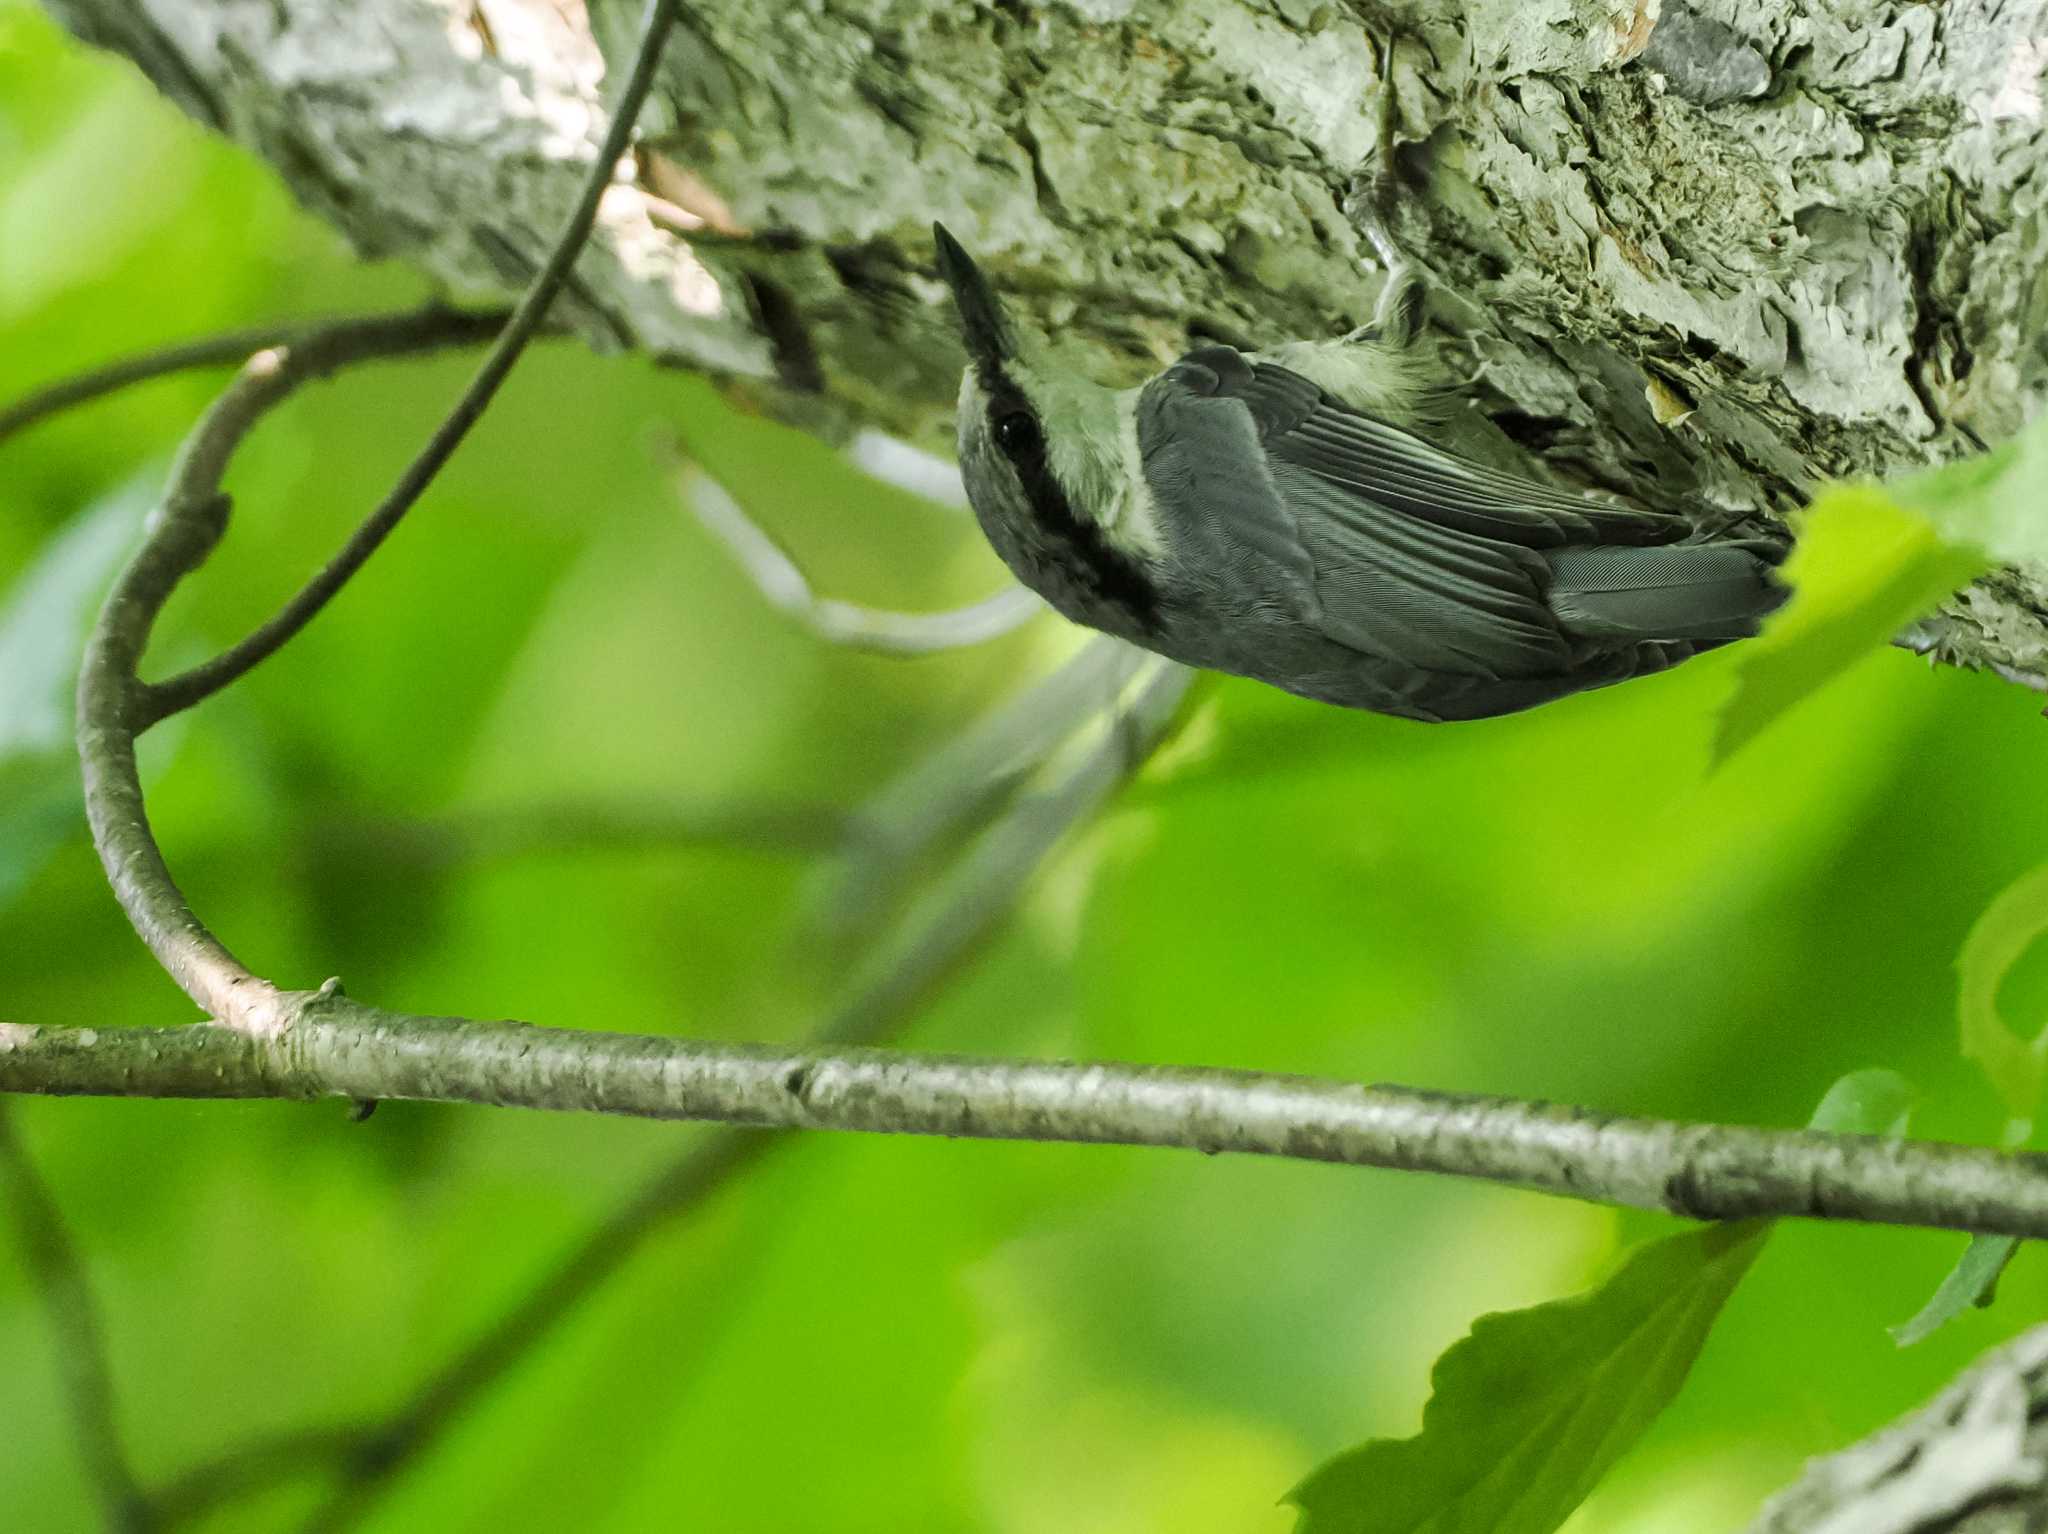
<point x="188" y="688"/>
<point x="276" y="1459"/>
<point x="326" y="1046"/>
<point x="53" y="1263"/>
<point x="936" y="939"/>
<point x="227" y="349"/>
<point x="310" y="1044"/>
<point x="1835" y="290"/>
<point x="1974" y="1460"/>
<point x="785" y="587"/>
<point x="114" y="706"/>
<point x="588" y="825"/>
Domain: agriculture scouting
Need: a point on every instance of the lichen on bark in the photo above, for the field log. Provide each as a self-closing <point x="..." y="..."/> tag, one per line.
<point x="1704" y="252"/>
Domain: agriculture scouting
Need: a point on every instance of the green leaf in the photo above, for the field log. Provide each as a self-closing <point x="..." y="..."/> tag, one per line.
<point x="1869" y="1102"/>
<point x="1864" y="569"/>
<point x="1991" y="502"/>
<point x="41" y="625"/>
<point x="1973" y="1281"/>
<point x="2005" y="931"/>
<point x="1533" y="1406"/>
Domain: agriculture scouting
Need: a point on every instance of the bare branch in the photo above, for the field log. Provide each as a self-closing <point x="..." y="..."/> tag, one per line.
<point x="188" y="688"/>
<point x="895" y="462"/>
<point x="593" y="826"/>
<point x="776" y="576"/>
<point x="255" y="1467"/>
<point x="940" y="936"/>
<point x="331" y="1046"/>
<point x="224" y="350"/>
<point x="1974" y="1460"/>
<point x="113" y="706"/>
<point x="54" y="1264"/>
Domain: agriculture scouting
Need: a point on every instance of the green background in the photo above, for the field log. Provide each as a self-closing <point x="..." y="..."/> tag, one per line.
<point x="882" y="1334"/>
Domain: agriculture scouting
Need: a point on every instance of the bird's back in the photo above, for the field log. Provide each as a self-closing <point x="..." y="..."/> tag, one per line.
<point x="1332" y="553"/>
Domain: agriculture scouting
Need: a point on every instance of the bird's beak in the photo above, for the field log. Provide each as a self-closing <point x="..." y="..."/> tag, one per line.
<point x="990" y="341"/>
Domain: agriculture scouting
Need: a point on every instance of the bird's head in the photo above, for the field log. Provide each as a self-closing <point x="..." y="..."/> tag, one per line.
<point x="1041" y="459"/>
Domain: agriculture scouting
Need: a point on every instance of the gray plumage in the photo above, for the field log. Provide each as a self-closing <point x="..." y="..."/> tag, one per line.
<point x="1262" y="514"/>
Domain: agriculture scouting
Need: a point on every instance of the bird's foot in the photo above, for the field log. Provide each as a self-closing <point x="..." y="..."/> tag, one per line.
<point x="1371" y="203"/>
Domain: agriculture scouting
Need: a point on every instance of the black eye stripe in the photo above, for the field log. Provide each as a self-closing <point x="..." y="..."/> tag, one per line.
<point x="1015" y="428"/>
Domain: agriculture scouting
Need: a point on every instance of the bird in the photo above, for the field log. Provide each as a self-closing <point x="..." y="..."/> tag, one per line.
<point x="1281" y="515"/>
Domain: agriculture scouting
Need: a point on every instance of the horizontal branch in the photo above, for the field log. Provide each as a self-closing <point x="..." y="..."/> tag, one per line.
<point x="328" y="1046"/>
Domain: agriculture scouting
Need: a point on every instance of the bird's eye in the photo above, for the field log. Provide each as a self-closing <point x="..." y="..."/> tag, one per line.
<point x="1017" y="432"/>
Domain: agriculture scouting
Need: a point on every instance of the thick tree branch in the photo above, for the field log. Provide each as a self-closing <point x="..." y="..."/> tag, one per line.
<point x="1701" y="252"/>
<point x="278" y="1043"/>
<point x="1972" y="1461"/>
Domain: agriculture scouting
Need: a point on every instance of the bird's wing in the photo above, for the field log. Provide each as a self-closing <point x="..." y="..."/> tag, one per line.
<point x="1395" y="548"/>
<point x="1302" y="423"/>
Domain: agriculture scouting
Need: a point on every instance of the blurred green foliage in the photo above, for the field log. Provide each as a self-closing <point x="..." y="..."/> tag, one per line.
<point x="1530" y="1410"/>
<point x="887" y="1334"/>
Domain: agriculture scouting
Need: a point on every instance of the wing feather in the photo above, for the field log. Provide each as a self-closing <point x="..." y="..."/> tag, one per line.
<point x="1409" y="590"/>
<point x="1386" y="544"/>
<point x="1301" y="423"/>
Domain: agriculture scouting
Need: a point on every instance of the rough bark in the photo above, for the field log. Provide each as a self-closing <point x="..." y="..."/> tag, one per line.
<point x="1702" y="253"/>
<point x="1972" y="1461"/>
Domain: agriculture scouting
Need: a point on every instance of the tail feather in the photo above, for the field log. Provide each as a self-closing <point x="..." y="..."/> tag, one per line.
<point x="1705" y="592"/>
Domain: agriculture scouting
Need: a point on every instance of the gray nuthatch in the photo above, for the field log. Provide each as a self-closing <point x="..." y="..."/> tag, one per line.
<point x="1271" y="514"/>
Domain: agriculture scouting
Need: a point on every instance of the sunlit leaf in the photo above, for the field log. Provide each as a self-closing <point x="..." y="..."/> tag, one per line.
<point x="1864" y="569"/>
<point x="1972" y="1282"/>
<point x="1531" y="1408"/>
<point x="2006" y="930"/>
<point x="1870" y="1102"/>
<point x="1990" y="502"/>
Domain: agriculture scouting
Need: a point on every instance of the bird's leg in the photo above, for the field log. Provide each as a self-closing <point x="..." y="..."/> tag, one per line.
<point x="1369" y="205"/>
<point x="1744" y="526"/>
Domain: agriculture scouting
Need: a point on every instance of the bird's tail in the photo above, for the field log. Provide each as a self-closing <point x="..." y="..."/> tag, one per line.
<point x="1703" y="592"/>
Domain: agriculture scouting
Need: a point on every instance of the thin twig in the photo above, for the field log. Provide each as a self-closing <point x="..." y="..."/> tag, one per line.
<point x="592" y="826"/>
<point x="896" y="462"/>
<point x="260" y="1465"/>
<point x="941" y="934"/>
<point x="189" y="687"/>
<point x="59" y="1274"/>
<point x="785" y="587"/>
<point x="114" y="706"/>
<point x="227" y="349"/>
